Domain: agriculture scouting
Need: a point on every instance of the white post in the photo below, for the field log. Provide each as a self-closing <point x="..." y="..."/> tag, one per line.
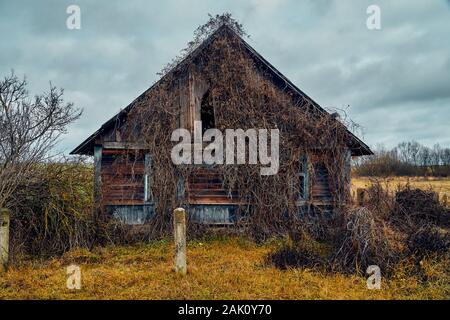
<point x="179" y="230"/>
<point x="4" y="239"/>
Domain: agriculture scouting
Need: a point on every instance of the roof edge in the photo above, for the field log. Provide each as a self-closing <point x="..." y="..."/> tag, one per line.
<point x="84" y="148"/>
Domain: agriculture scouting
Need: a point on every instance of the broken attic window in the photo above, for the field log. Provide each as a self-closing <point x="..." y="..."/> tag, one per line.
<point x="207" y="113"/>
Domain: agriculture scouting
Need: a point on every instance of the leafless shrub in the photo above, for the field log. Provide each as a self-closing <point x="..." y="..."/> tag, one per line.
<point x="52" y="213"/>
<point x="379" y="201"/>
<point x="416" y="207"/>
<point x="316" y="225"/>
<point x="391" y="228"/>
<point x="428" y="240"/>
<point x="365" y="241"/>
<point x="29" y="128"/>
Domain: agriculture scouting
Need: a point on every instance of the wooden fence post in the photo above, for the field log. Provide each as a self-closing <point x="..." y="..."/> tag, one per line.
<point x="361" y="196"/>
<point x="179" y="230"/>
<point x="4" y="239"/>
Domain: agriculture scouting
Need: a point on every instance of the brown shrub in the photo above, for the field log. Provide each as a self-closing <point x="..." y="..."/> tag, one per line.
<point x="418" y="207"/>
<point x="301" y="253"/>
<point x="365" y="240"/>
<point x="429" y="239"/>
<point x="411" y="225"/>
<point x="53" y="212"/>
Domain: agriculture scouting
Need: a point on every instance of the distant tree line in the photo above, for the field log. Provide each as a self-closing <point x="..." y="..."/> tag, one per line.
<point x="406" y="159"/>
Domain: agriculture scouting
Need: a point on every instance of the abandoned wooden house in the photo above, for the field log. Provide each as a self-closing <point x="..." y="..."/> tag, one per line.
<point x="131" y="200"/>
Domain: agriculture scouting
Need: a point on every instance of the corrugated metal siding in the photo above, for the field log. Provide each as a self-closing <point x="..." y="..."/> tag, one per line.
<point x="213" y="214"/>
<point x="132" y="215"/>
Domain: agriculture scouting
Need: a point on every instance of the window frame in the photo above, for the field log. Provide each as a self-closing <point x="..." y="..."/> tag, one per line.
<point x="303" y="173"/>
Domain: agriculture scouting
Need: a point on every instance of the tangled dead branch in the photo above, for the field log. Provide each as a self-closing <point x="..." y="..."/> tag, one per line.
<point x="52" y="213"/>
<point x="365" y="241"/>
<point x="415" y="206"/>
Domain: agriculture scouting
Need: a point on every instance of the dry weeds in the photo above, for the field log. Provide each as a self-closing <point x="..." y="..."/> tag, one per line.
<point x="227" y="268"/>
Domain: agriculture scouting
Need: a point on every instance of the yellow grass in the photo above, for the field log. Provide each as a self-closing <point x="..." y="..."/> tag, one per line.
<point x="439" y="185"/>
<point x="229" y="268"/>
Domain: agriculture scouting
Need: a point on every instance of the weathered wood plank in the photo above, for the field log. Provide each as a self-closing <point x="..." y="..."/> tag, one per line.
<point x="124" y="145"/>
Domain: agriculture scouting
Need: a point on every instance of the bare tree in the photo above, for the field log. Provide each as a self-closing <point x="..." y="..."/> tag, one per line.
<point x="436" y="155"/>
<point x="29" y="128"/>
<point x="425" y="156"/>
<point x="409" y="152"/>
<point x="446" y="156"/>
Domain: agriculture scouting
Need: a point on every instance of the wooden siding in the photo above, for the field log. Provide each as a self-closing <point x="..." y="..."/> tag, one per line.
<point x="205" y="186"/>
<point x="321" y="192"/>
<point x="122" y="176"/>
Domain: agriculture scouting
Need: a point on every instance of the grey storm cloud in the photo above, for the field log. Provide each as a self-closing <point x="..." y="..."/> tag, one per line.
<point x="394" y="82"/>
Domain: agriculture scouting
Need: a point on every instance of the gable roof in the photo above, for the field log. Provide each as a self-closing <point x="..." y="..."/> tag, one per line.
<point x="357" y="147"/>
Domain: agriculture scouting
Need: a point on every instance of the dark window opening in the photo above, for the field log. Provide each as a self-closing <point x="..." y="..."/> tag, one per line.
<point x="302" y="187"/>
<point x="207" y="113"/>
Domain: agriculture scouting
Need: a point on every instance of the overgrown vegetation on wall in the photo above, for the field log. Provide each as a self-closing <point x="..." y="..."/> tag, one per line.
<point x="244" y="96"/>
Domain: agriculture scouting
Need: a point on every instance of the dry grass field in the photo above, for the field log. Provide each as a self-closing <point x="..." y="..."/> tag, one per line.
<point x="227" y="268"/>
<point x="218" y="268"/>
<point x="441" y="185"/>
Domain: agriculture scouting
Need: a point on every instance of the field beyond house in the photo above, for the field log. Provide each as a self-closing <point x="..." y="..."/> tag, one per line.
<point x="227" y="268"/>
<point x="439" y="185"/>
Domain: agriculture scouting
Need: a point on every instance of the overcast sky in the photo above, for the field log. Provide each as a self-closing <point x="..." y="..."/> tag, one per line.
<point x="396" y="81"/>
